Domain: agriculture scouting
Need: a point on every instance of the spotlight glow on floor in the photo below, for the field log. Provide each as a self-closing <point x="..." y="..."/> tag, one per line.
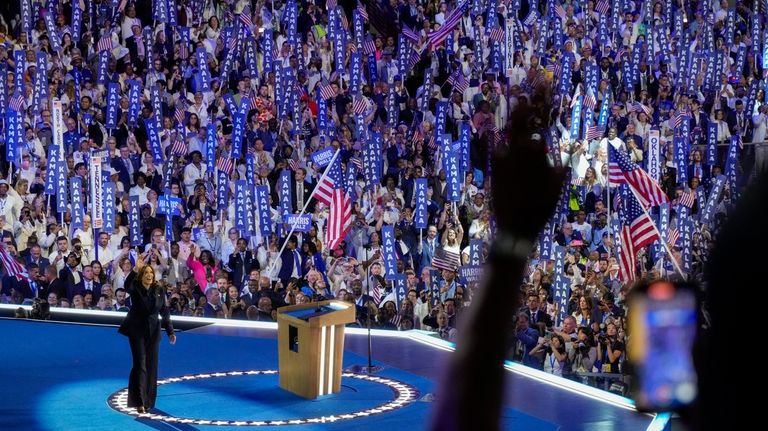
<point x="403" y="395"/>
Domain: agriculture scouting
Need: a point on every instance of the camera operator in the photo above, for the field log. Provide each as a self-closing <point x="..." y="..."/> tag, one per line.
<point x="610" y="349"/>
<point x="585" y="352"/>
<point x="555" y="356"/>
<point x="525" y="339"/>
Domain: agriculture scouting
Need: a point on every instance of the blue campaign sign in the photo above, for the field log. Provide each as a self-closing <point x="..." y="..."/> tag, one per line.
<point x="197" y="232"/>
<point x="298" y="223"/>
<point x="388" y="251"/>
<point x="109" y="208"/>
<point x="222" y="190"/>
<point x="76" y="201"/>
<point x="401" y="289"/>
<point x="476" y="252"/>
<point x="470" y="273"/>
<point x="133" y="221"/>
<point x="421" y="215"/>
<point x="323" y="157"/>
<point x="262" y="201"/>
<point x="168" y="204"/>
<point x="240" y="205"/>
<point x="285" y="192"/>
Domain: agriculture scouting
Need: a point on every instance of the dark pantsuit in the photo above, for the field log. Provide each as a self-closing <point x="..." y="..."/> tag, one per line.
<point x="142" y="384"/>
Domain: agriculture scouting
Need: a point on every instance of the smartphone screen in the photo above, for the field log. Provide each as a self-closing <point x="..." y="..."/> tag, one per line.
<point x="663" y="324"/>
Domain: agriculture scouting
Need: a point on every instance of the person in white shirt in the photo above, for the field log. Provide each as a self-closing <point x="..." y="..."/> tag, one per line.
<point x="760" y="122"/>
<point x="140" y="189"/>
<point x="193" y="172"/>
<point x="102" y="251"/>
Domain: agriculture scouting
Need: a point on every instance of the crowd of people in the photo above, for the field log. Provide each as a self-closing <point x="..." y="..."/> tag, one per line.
<point x="255" y="89"/>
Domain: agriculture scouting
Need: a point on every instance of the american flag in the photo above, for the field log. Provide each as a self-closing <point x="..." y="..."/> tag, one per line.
<point x="331" y="4"/>
<point x="376" y="291"/>
<point x="225" y="164"/>
<point x="396" y="319"/>
<point x="637" y="232"/>
<point x="369" y="46"/>
<point x="357" y="163"/>
<point x="438" y="37"/>
<point x="362" y="11"/>
<point x="672" y="236"/>
<point x="331" y="191"/>
<point x="458" y="81"/>
<point x="576" y="181"/>
<point x="294" y="165"/>
<point x="444" y="259"/>
<point x="245" y="17"/>
<point x="622" y="169"/>
<point x="179" y="148"/>
<point x="686" y="199"/>
<point x="414" y="58"/>
<point x="497" y="34"/>
<point x="639" y="107"/>
<point x="677" y="118"/>
<point x="181" y="111"/>
<point x="344" y="20"/>
<point x="105" y="42"/>
<point x="359" y="106"/>
<point x="432" y="144"/>
<point x="16" y="103"/>
<point x="560" y="11"/>
<point x="410" y="34"/>
<point x="232" y="43"/>
<point x="589" y="100"/>
<point x="327" y="92"/>
<point x="602" y="7"/>
<point x="12" y="266"/>
<point x="595" y="132"/>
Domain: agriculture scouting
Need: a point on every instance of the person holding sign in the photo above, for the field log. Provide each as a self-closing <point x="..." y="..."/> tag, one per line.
<point x="142" y="327"/>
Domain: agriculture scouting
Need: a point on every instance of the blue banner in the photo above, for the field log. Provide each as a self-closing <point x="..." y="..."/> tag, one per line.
<point x="205" y="74"/>
<point x="730" y="165"/>
<point x="250" y="207"/>
<point x="681" y="158"/>
<point x="686" y="234"/>
<point x="285" y="192"/>
<point x="20" y="59"/>
<point x="420" y="216"/>
<point x="110" y="211"/>
<point x="576" y="118"/>
<point x="53" y="35"/>
<point x="355" y="73"/>
<point x="113" y="104"/>
<point x="222" y="190"/>
<point x="210" y="144"/>
<point x="14" y="134"/>
<point x="453" y="177"/>
<point x="476" y="252"/>
<point x="240" y="206"/>
<point x="322" y="157"/>
<point x="134" y="104"/>
<point x="3" y="89"/>
<point x="154" y="141"/>
<point x="134" y="226"/>
<point x="545" y="243"/>
<point x="298" y="223"/>
<point x="388" y="251"/>
<point x="101" y="67"/>
<point x="372" y="163"/>
<point x="238" y="130"/>
<point x="561" y="285"/>
<point x="41" y="82"/>
<point x="441" y="118"/>
<point x="707" y="214"/>
<point x="268" y="47"/>
<point x="426" y="92"/>
<point x="51" y="182"/>
<point x="61" y="185"/>
<point x="262" y="201"/>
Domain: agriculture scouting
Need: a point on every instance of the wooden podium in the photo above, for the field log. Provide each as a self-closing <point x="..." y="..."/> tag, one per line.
<point x="310" y="341"/>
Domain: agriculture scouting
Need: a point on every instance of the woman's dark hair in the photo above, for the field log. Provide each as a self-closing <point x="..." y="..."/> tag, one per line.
<point x="142" y="271"/>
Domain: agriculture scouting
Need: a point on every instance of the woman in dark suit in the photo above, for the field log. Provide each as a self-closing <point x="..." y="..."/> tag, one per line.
<point x="142" y="327"/>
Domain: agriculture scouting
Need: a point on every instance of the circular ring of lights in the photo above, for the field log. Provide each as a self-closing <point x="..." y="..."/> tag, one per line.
<point x="404" y="395"/>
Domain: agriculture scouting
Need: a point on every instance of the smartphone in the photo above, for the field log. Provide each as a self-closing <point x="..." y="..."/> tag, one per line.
<point x="663" y="320"/>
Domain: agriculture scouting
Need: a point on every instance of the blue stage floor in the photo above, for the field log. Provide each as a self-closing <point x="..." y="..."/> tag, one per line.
<point x="59" y="376"/>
